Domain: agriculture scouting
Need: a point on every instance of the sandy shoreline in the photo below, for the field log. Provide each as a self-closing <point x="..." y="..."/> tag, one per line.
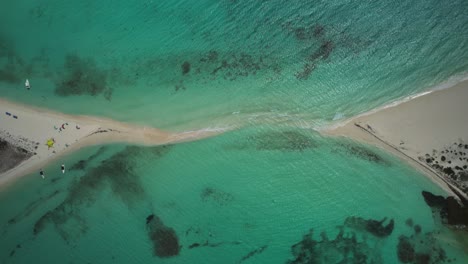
<point x="33" y="127"/>
<point x="429" y="132"/>
<point x="419" y="131"/>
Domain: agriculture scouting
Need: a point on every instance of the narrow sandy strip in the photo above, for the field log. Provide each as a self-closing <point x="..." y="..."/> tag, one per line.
<point x="415" y="128"/>
<point x="34" y="126"/>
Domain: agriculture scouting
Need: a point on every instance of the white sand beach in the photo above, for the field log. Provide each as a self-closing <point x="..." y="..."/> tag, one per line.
<point x="428" y="124"/>
<point x="33" y="127"/>
<point x="410" y="130"/>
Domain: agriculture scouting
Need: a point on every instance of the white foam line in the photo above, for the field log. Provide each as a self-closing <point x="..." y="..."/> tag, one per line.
<point x="451" y="82"/>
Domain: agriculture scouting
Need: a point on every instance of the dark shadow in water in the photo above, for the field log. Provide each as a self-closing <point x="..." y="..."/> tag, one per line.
<point x="217" y="196"/>
<point x="361" y="152"/>
<point x="342" y="249"/>
<point x="185" y="67"/>
<point x="374" y="227"/>
<point x="418" y="248"/>
<point x="319" y="41"/>
<point x="277" y="141"/>
<point x="448" y="210"/>
<point x="83" y="77"/>
<point x="253" y="253"/>
<point x="117" y="172"/>
<point x="82" y="164"/>
<point x="421" y="248"/>
<point x="28" y="210"/>
<point x="230" y="66"/>
<point x="14" y="67"/>
<point x="209" y="244"/>
<point x="164" y="238"/>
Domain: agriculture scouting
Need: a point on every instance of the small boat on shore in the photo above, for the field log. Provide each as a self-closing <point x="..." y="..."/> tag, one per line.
<point x="27" y="85"/>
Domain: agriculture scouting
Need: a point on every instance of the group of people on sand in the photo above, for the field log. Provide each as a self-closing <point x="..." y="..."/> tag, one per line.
<point x="62" y="168"/>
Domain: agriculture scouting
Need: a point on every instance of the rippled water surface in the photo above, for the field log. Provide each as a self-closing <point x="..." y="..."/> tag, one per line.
<point x="270" y="192"/>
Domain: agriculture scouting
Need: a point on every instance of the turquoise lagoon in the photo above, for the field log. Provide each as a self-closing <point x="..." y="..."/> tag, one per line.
<point x="273" y="70"/>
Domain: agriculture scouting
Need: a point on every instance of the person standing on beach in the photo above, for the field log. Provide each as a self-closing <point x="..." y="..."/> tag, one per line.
<point x="63" y="168"/>
<point x="42" y="174"/>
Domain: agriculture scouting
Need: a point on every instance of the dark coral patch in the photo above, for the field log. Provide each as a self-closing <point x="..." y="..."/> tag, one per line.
<point x="185" y="67"/>
<point x="164" y="238"/>
<point x="82" y="77"/>
<point x="117" y="172"/>
<point x="421" y="248"/>
<point x="362" y="152"/>
<point x="447" y="209"/>
<point x="253" y="253"/>
<point x="284" y="141"/>
<point x="217" y="196"/>
<point x="342" y="249"/>
<point x="405" y="250"/>
<point x="374" y="227"/>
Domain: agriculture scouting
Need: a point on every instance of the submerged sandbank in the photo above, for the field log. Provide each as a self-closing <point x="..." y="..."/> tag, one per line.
<point x="32" y="128"/>
<point x="430" y="132"/>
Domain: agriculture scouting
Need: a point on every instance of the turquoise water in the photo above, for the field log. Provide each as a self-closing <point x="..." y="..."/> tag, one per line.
<point x="265" y="59"/>
<point x="247" y="196"/>
<point x="242" y="191"/>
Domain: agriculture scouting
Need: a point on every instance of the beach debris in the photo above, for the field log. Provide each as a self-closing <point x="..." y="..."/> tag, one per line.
<point x="50" y="143"/>
<point x="9" y="114"/>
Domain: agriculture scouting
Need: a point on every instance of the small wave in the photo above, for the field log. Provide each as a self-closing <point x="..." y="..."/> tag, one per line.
<point x="451" y="82"/>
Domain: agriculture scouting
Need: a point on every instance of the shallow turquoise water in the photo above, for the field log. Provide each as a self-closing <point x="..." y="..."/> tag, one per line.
<point x="237" y="192"/>
<point x="242" y="191"/>
<point x="244" y="56"/>
<point x="246" y="196"/>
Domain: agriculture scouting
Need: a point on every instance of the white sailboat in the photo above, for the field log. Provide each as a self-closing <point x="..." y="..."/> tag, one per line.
<point x="27" y="85"/>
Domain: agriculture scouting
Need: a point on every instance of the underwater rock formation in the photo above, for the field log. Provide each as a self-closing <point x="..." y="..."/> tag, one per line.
<point x="420" y="248"/>
<point x="117" y="173"/>
<point x="447" y="209"/>
<point x="374" y="227"/>
<point x="253" y="253"/>
<point x="82" y="77"/>
<point x="217" y="196"/>
<point x="342" y="249"/>
<point x="282" y="140"/>
<point x="164" y="238"/>
<point x="361" y="152"/>
<point x="82" y="164"/>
